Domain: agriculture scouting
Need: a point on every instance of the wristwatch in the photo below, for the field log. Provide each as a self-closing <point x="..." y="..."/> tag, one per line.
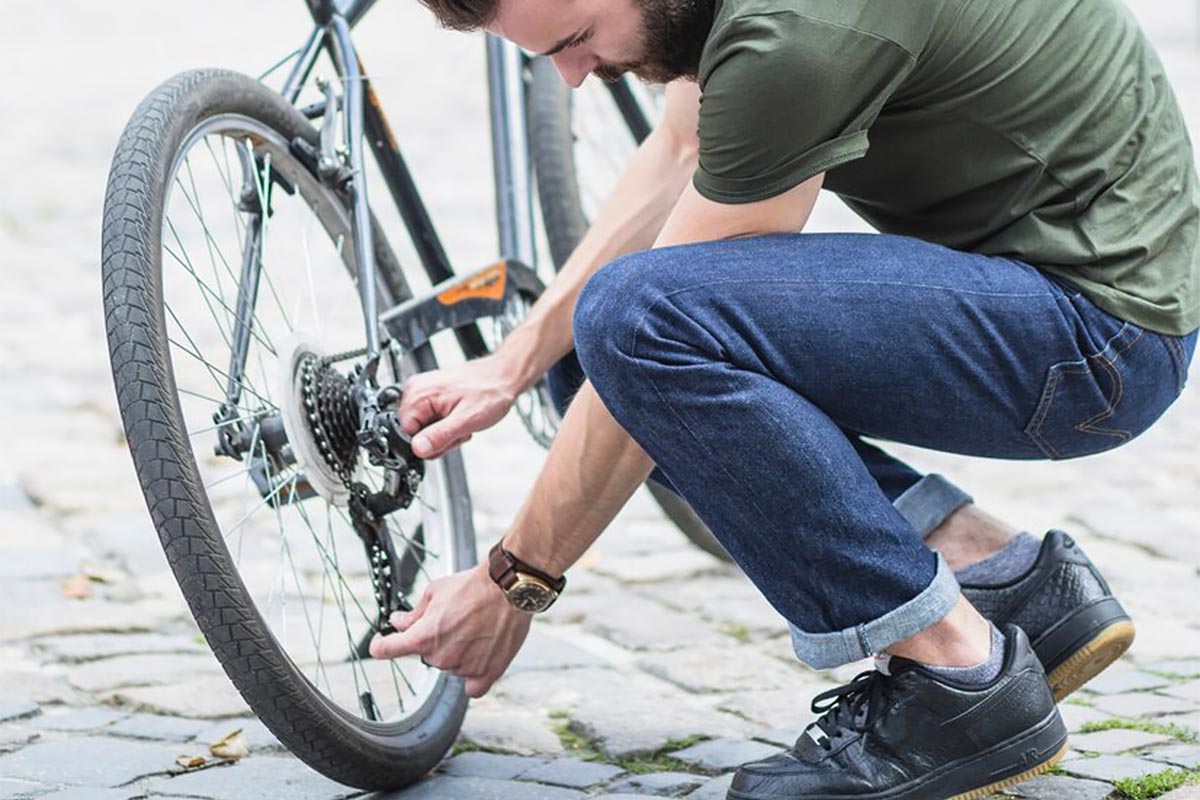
<point x="527" y="588"/>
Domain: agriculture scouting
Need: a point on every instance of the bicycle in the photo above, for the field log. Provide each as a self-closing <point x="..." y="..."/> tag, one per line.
<point x="265" y="466"/>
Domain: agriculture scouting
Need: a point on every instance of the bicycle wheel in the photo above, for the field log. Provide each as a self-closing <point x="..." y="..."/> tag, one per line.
<point x="580" y="142"/>
<point x="250" y="499"/>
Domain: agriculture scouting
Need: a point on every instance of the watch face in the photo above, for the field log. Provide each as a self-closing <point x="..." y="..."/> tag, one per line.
<point x="530" y="594"/>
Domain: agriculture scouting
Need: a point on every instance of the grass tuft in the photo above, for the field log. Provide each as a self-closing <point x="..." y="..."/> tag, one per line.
<point x="1150" y="786"/>
<point x="583" y="748"/>
<point x="1166" y="728"/>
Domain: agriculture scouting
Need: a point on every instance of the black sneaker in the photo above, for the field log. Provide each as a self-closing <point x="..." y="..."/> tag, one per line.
<point x="912" y="734"/>
<point x="1076" y="625"/>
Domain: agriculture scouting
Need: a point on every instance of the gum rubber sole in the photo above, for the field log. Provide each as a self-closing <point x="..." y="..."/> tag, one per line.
<point x="1091" y="659"/>
<point x="992" y="788"/>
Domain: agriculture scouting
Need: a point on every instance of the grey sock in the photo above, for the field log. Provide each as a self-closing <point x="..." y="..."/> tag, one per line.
<point x="981" y="673"/>
<point x="1014" y="560"/>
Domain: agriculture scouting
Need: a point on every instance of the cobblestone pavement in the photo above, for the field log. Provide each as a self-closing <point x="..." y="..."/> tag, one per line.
<point x="658" y="672"/>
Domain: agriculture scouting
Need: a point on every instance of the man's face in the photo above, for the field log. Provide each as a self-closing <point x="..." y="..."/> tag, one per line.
<point x="657" y="40"/>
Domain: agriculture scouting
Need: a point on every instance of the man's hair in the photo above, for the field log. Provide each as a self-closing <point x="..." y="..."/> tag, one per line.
<point x="463" y="15"/>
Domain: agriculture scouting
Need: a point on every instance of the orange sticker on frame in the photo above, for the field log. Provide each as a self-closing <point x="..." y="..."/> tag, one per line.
<point x="488" y="284"/>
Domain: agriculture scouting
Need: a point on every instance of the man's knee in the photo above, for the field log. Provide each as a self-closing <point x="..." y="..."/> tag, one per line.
<point x="607" y="312"/>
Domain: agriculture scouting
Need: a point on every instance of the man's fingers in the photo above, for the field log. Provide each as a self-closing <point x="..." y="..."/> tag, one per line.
<point x="411" y="642"/>
<point x="418" y="413"/>
<point x="439" y="437"/>
<point x="478" y="687"/>
<point x="403" y="620"/>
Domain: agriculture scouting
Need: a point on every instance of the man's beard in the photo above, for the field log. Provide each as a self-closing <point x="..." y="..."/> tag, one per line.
<point x="673" y="38"/>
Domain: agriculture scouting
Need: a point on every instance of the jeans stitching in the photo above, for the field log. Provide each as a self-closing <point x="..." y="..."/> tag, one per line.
<point x="1178" y="358"/>
<point x="1114" y="398"/>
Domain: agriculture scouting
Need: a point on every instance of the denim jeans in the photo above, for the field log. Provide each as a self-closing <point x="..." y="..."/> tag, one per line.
<point x="750" y="369"/>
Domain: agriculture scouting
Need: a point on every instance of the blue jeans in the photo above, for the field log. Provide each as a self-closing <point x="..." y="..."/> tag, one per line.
<point x="749" y="369"/>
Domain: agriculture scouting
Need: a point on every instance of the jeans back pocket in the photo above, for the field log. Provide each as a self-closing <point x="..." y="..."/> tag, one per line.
<point x="1106" y="398"/>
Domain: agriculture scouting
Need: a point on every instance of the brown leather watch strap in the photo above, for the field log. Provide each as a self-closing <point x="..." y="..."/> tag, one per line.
<point x="503" y="566"/>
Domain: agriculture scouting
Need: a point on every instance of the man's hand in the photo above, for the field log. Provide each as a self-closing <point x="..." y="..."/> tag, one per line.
<point x="442" y="408"/>
<point x="463" y="625"/>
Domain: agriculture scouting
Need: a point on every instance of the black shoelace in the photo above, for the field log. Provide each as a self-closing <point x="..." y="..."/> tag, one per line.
<point x="853" y="707"/>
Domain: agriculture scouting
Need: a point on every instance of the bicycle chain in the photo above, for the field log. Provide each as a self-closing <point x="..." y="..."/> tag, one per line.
<point x="333" y="418"/>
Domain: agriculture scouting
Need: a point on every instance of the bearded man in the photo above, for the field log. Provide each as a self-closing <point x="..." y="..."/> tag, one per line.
<point x="1033" y="293"/>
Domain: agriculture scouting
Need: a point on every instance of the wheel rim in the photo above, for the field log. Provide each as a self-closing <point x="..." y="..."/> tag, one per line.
<point x="602" y="141"/>
<point x="299" y="559"/>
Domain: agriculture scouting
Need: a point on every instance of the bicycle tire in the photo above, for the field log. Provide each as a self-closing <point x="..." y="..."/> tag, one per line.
<point x="551" y="145"/>
<point x="320" y="733"/>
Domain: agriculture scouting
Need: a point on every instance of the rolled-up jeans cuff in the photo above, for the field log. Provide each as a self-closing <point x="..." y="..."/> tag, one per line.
<point x="929" y="502"/>
<point x="825" y="650"/>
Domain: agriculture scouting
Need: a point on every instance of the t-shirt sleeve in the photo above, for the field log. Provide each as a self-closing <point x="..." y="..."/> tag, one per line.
<point x="785" y="97"/>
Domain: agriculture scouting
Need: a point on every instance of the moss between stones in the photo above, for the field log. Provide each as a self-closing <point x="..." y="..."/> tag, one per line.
<point x="1167" y="729"/>
<point x="1149" y="786"/>
<point x="579" y="746"/>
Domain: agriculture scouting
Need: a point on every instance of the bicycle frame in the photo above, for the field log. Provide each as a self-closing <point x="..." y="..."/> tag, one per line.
<point x="456" y="301"/>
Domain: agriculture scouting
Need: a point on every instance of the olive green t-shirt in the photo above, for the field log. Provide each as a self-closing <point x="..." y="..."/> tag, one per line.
<point x="1042" y="130"/>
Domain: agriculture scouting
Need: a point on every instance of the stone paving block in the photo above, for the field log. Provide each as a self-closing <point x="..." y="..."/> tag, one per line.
<point x="647" y="724"/>
<point x="573" y="773"/>
<point x="1060" y="787"/>
<point x="1117" y="740"/>
<point x="83" y="793"/>
<point x="721" y="754"/>
<point x="57" y="617"/>
<point x="141" y="670"/>
<point x="16" y="790"/>
<point x="87" y="647"/>
<point x="1183" y="793"/>
<point x="499" y="766"/>
<point x="43" y="685"/>
<point x="91" y="761"/>
<point x="713" y="789"/>
<point x="658" y="566"/>
<point x="200" y="698"/>
<point x="77" y="720"/>
<point x="514" y="730"/>
<point x="1111" y="768"/>
<point x="784" y="738"/>
<point x="638" y="624"/>
<point x="1142" y="704"/>
<point x="544" y="650"/>
<point x="669" y="784"/>
<point x="778" y="708"/>
<point x="254" y="777"/>
<point x="14" y="736"/>
<point x="1185" y="667"/>
<point x="622" y="796"/>
<point x="724" y="668"/>
<point x="1187" y="691"/>
<point x="1181" y="755"/>
<point x="443" y="787"/>
<point x="17" y="709"/>
<point x="1125" y="680"/>
<point x="258" y="738"/>
<point x="153" y="726"/>
<point x="23" y="565"/>
<point x="1076" y="716"/>
<point x="12" y="496"/>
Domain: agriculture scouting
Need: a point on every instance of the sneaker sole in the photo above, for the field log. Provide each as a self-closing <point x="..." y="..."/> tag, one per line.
<point x="1083" y="645"/>
<point x="1091" y="659"/>
<point x="992" y="788"/>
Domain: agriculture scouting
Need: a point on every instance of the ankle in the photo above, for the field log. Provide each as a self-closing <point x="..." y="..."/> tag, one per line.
<point x="962" y="638"/>
<point x="968" y="536"/>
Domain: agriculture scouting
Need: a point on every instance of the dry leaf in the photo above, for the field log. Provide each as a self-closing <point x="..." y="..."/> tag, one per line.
<point x="190" y="762"/>
<point x="232" y="745"/>
<point x="76" y="587"/>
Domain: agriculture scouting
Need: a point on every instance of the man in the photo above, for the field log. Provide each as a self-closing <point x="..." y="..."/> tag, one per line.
<point x="1034" y="293"/>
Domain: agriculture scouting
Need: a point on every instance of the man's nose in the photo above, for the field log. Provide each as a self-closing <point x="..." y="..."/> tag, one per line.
<point x="574" y="67"/>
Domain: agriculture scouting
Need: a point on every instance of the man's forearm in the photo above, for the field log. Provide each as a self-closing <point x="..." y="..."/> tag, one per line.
<point x="628" y="221"/>
<point x="593" y="468"/>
